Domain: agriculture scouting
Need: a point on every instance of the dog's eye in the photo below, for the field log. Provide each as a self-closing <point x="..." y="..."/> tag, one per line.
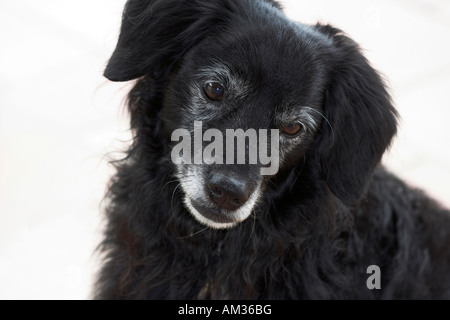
<point x="292" y="129"/>
<point x="214" y="91"/>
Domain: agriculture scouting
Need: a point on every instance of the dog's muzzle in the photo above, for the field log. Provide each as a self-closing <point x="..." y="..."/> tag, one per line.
<point x="223" y="199"/>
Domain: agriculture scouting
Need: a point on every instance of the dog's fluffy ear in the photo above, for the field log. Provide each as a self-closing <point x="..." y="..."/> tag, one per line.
<point x="154" y="34"/>
<point x="361" y="120"/>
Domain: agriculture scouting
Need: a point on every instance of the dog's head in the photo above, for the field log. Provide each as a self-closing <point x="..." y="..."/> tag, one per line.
<point x="246" y="94"/>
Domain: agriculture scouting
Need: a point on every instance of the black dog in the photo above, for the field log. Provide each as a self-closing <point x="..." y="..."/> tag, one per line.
<point x="329" y="223"/>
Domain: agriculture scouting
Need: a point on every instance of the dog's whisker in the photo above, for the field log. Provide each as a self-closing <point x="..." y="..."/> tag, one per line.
<point x="274" y="184"/>
<point x="173" y="195"/>
<point x="328" y="122"/>
<point x="299" y="171"/>
<point x="253" y="215"/>
<point x="169" y="182"/>
<point x="193" y="234"/>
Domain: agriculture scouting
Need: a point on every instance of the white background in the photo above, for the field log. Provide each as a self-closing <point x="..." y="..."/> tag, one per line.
<point x="59" y="120"/>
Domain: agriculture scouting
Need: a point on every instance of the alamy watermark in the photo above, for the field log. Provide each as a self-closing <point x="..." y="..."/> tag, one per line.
<point x="256" y="147"/>
<point x="374" y="281"/>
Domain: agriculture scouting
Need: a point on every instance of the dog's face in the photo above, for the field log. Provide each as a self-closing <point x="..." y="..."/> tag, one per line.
<point x="296" y="92"/>
<point x="245" y="82"/>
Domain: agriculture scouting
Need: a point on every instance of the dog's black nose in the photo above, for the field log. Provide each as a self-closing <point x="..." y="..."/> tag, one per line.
<point x="228" y="192"/>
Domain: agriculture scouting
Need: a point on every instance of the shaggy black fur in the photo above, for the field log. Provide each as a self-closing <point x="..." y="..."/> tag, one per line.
<point x="329" y="213"/>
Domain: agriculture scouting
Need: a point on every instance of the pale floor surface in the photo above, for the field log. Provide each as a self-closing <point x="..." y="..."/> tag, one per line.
<point x="59" y="118"/>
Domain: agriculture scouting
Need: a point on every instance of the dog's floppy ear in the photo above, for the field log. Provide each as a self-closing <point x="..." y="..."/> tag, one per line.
<point x="155" y="33"/>
<point x="361" y="120"/>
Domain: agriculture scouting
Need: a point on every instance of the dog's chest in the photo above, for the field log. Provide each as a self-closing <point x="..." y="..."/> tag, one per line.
<point x="210" y="289"/>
